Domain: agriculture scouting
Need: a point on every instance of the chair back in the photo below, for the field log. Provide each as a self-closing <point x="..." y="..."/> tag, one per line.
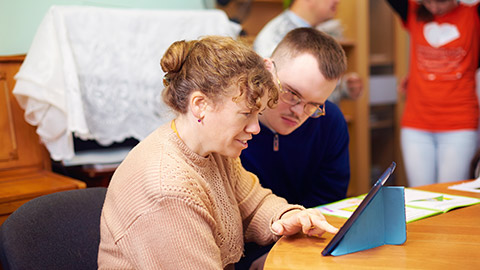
<point x="55" y="231"/>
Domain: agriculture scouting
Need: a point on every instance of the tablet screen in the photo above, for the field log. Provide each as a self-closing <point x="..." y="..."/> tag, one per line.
<point x="343" y="230"/>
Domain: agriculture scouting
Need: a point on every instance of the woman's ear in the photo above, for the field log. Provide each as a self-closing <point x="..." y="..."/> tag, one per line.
<point x="268" y="62"/>
<point x="198" y="104"/>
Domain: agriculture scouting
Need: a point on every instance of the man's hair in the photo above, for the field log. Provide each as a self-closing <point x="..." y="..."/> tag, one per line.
<point x="330" y="55"/>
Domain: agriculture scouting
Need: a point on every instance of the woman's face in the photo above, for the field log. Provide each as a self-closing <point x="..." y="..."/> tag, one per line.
<point x="229" y="125"/>
<point x="439" y="7"/>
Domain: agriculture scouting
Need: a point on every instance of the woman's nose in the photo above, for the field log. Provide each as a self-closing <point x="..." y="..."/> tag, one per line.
<point x="253" y="127"/>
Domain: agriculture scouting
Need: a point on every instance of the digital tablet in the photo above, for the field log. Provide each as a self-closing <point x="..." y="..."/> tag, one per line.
<point x="371" y="194"/>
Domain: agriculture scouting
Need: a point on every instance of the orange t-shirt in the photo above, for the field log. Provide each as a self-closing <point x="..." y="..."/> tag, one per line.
<point x="444" y="54"/>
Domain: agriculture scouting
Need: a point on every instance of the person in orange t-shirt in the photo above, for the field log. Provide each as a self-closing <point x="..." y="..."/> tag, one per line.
<point x="440" y="121"/>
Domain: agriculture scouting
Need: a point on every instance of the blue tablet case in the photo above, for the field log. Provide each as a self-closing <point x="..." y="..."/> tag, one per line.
<point x="381" y="222"/>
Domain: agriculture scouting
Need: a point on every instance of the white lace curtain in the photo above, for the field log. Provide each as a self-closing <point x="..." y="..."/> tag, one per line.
<point x="95" y="73"/>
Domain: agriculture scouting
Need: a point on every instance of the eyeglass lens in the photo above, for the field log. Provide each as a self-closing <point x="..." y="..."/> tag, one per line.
<point x="309" y="109"/>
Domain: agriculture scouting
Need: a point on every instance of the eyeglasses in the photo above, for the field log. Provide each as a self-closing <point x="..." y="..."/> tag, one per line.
<point x="311" y="109"/>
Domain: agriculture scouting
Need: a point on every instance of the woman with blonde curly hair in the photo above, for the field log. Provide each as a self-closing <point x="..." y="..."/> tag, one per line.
<point x="181" y="199"/>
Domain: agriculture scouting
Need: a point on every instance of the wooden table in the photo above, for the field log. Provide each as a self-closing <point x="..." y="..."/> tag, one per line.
<point x="445" y="241"/>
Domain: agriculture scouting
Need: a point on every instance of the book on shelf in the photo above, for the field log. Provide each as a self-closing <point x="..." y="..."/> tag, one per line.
<point x="419" y="204"/>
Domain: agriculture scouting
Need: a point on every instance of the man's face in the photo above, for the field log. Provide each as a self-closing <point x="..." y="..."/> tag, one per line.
<point x="300" y="75"/>
<point x="324" y="9"/>
<point x="439" y="7"/>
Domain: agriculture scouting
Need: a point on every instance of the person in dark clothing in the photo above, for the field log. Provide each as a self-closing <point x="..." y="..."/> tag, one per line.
<point x="301" y="152"/>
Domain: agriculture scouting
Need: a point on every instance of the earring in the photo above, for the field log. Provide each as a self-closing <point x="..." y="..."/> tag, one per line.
<point x="199" y="120"/>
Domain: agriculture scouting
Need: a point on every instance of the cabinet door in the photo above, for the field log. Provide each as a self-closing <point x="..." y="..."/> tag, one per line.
<point x="354" y="16"/>
<point x="9" y="150"/>
<point x="20" y="147"/>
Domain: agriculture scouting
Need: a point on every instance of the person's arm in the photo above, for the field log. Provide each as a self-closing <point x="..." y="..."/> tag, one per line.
<point x="266" y="216"/>
<point x="400" y="7"/>
<point x="259" y="207"/>
<point x="179" y="235"/>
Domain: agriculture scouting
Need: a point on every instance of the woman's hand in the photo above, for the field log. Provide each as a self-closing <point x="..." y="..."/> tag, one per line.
<point x="310" y="221"/>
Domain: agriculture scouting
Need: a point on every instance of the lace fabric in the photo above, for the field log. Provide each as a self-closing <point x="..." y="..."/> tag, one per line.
<point x="98" y="68"/>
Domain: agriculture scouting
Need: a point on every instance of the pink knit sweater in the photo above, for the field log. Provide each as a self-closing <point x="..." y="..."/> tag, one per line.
<point x="169" y="208"/>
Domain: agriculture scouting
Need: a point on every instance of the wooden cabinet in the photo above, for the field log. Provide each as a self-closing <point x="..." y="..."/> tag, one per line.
<point x="388" y="56"/>
<point x="400" y="67"/>
<point x="24" y="162"/>
<point x="353" y="15"/>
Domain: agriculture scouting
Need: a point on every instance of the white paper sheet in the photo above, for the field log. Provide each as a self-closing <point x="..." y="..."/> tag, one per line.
<point x="472" y="186"/>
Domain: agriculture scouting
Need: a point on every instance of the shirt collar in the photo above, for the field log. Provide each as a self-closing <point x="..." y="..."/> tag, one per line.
<point x="300" y="22"/>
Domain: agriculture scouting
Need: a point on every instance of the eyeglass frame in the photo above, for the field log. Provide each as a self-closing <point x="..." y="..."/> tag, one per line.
<point x="319" y="109"/>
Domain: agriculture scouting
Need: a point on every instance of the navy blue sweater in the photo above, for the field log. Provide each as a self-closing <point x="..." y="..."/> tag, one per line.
<point x="312" y="165"/>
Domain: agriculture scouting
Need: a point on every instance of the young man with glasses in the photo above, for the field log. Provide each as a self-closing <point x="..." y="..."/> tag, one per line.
<point x="301" y="152"/>
<point x="306" y="13"/>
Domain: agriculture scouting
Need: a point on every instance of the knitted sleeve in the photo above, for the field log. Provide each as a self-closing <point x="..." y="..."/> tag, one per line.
<point x="259" y="207"/>
<point x="178" y="235"/>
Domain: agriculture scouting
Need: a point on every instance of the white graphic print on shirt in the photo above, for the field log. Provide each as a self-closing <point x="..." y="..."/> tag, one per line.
<point x="440" y="34"/>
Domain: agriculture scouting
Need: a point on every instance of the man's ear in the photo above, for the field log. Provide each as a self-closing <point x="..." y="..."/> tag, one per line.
<point x="198" y="104"/>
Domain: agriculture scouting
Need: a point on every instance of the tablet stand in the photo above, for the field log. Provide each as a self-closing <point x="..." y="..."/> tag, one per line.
<point x="381" y="222"/>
